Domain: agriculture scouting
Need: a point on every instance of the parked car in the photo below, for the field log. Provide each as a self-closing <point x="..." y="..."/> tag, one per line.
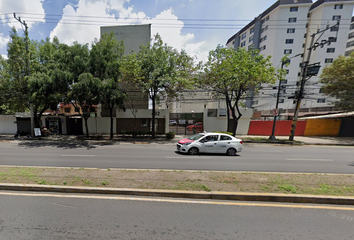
<point x="173" y="122"/>
<point x="210" y="143"/>
<point x="197" y="127"/>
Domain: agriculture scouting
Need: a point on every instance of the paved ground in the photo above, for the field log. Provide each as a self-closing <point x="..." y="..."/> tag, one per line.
<point x="317" y="140"/>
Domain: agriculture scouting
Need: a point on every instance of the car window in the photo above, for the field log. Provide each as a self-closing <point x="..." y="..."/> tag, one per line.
<point x="211" y="138"/>
<point x="196" y="137"/>
<point x="224" y="137"/>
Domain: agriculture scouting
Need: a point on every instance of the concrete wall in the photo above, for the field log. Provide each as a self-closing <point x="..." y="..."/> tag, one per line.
<point x="99" y="125"/>
<point x="220" y="123"/>
<point x="322" y="127"/>
<point x="7" y="124"/>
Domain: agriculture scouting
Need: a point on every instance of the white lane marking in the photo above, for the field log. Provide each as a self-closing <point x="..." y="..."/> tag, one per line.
<point x="67" y="155"/>
<point x="245" y="204"/>
<point x="61" y="205"/>
<point x="309" y="159"/>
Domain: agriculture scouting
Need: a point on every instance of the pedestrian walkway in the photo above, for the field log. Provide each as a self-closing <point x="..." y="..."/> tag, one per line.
<point x="314" y="140"/>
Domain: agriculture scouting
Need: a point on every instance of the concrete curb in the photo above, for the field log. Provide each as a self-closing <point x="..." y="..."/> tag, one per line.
<point x="236" y="196"/>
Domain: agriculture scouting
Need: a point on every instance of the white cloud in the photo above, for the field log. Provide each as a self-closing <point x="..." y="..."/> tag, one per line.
<point x="21" y="6"/>
<point x="170" y="30"/>
<point x="166" y="24"/>
<point x="3" y="40"/>
<point x="86" y="29"/>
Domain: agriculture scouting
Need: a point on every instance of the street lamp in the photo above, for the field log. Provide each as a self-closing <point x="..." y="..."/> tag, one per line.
<point x="283" y="62"/>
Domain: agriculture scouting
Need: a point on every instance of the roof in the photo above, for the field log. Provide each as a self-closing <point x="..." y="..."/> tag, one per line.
<point x="320" y="2"/>
<point x="336" y="115"/>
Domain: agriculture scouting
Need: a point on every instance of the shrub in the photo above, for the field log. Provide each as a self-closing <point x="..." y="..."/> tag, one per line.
<point x="170" y="135"/>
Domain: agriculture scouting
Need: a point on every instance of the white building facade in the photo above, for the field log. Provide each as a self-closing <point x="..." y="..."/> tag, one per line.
<point x="286" y="28"/>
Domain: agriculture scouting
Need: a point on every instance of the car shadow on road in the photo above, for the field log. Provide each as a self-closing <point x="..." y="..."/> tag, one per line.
<point x="207" y="154"/>
<point x="58" y="144"/>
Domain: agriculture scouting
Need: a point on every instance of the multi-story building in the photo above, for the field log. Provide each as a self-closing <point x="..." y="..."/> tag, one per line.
<point x="350" y="43"/>
<point x="288" y="28"/>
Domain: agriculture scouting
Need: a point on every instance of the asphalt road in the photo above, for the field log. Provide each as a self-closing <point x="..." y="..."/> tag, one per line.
<point x="254" y="157"/>
<point x="59" y="216"/>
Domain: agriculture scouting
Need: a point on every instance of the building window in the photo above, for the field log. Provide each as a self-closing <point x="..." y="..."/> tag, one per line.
<point x="291" y="20"/>
<point x="251" y="30"/>
<point x="262" y="48"/>
<point x="351" y="26"/>
<point x="267" y="18"/>
<point x="243" y="36"/>
<point x="351" y="35"/>
<point x="250" y="39"/>
<point x="321" y="90"/>
<point x="289" y="41"/>
<point x="212" y="112"/>
<point x="336" y="17"/>
<point x="263" y="38"/>
<point x="335" y="28"/>
<point x="255" y="102"/>
<point x="281" y="100"/>
<point x="330" y="50"/>
<point x="294" y="9"/>
<point x="305" y="35"/>
<point x="321" y="100"/>
<point x="347" y="53"/>
<point x="285" y="81"/>
<point x="338" y="6"/>
<point x="350" y="44"/>
<point x="67" y="110"/>
<point x="265" y="28"/>
<point x="250" y="46"/>
<point x="287" y="71"/>
<point x="243" y="44"/>
<point x="328" y="60"/>
<point x="288" y="51"/>
<point x="290" y="30"/>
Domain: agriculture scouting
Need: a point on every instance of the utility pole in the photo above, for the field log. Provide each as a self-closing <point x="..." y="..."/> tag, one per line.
<point x="283" y="62"/>
<point x="309" y="70"/>
<point x="28" y="65"/>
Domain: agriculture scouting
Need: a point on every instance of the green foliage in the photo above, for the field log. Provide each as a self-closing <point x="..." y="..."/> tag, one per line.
<point x="339" y="81"/>
<point x="84" y="94"/>
<point x="159" y="70"/>
<point x="233" y="74"/>
<point x="170" y="135"/>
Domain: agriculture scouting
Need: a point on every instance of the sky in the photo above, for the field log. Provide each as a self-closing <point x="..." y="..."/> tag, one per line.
<point x="196" y="26"/>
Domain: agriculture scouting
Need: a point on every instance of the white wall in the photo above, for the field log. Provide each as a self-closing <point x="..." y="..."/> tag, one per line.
<point x="220" y="123"/>
<point x="99" y="125"/>
<point x="7" y="124"/>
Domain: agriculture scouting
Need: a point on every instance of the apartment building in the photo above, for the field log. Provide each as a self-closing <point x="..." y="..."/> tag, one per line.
<point x="288" y="28"/>
<point x="350" y="43"/>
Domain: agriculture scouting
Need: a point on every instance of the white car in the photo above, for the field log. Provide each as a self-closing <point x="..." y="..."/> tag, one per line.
<point x="210" y="143"/>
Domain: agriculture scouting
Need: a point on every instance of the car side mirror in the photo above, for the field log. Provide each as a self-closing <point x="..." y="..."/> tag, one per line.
<point x="202" y="141"/>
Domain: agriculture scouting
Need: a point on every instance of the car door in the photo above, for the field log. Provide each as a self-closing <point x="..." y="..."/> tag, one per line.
<point x="224" y="143"/>
<point x="210" y="146"/>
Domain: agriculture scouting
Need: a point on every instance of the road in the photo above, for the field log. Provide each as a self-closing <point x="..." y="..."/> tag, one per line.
<point x="64" y="216"/>
<point x="254" y="157"/>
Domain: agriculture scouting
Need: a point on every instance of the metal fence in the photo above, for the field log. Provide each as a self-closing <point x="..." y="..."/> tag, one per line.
<point x="186" y="123"/>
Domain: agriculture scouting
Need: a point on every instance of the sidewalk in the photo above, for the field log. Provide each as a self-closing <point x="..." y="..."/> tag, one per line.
<point x="104" y="139"/>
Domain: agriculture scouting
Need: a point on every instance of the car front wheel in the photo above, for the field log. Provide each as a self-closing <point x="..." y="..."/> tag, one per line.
<point x="193" y="151"/>
<point x="231" y="152"/>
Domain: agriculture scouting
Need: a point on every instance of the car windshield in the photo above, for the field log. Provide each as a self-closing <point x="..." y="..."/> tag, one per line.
<point x="196" y="137"/>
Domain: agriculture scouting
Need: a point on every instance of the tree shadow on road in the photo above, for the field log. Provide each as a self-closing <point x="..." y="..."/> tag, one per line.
<point x="59" y="144"/>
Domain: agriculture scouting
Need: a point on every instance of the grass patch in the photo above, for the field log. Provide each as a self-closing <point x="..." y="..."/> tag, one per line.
<point x="288" y="188"/>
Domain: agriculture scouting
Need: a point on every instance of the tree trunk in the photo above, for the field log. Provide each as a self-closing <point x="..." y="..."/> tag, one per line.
<point x="111" y="115"/>
<point x="153" y="118"/>
<point x="86" y="126"/>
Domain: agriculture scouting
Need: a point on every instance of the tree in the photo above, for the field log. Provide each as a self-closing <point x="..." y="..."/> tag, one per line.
<point x="85" y="94"/>
<point x="233" y="74"/>
<point x="338" y="79"/>
<point x="105" y="61"/>
<point x="158" y="70"/>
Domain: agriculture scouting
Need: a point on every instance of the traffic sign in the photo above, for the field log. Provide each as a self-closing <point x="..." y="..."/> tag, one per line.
<point x="275" y="112"/>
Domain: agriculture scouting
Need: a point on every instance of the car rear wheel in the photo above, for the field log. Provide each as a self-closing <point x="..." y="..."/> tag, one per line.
<point x="231" y="152"/>
<point x="193" y="151"/>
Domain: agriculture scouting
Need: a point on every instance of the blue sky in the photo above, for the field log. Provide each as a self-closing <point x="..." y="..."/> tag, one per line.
<point x="197" y="26"/>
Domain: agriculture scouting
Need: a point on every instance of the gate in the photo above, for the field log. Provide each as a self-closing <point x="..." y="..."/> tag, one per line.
<point x="186" y="123"/>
